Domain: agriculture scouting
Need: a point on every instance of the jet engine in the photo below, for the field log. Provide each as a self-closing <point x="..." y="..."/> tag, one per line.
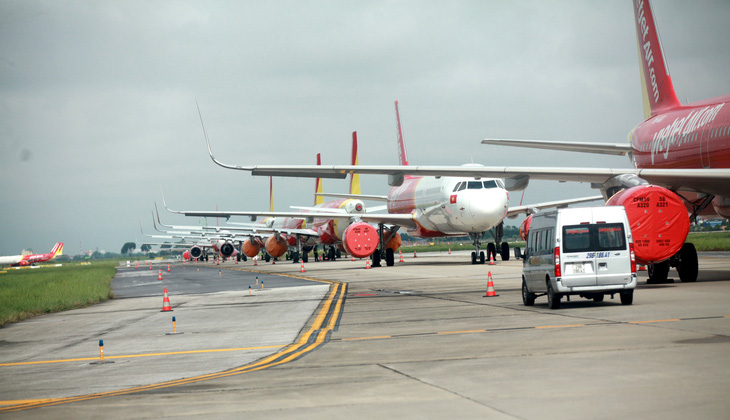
<point x="393" y="241"/>
<point x="658" y="218"/>
<point x="186" y="255"/>
<point x="195" y="252"/>
<point x="227" y="249"/>
<point x="360" y="239"/>
<point x="525" y="227"/>
<point x="251" y="248"/>
<point x="276" y="247"/>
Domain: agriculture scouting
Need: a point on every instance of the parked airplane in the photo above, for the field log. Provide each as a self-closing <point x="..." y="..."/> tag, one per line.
<point x="678" y="150"/>
<point x="26" y="260"/>
<point x="426" y="206"/>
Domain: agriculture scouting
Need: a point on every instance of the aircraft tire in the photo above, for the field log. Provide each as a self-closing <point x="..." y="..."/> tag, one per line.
<point x="305" y="257"/>
<point x="688" y="266"/>
<point x="491" y="251"/>
<point x="473" y="257"/>
<point x="481" y="257"/>
<point x="389" y="257"/>
<point x="376" y="259"/>
<point x="658" y="272"/>
<point x="505" y="251"/>
<point x="267" y="257"/>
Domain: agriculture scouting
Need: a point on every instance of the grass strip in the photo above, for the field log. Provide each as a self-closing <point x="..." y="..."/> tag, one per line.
<point x="28" y="292"/>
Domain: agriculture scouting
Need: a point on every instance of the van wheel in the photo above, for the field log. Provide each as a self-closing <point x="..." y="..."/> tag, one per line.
<point x="553" y="298"/>
<point x="627" y="297"/>
<point x="527" y="298"/>
<point x="598" y="298"/>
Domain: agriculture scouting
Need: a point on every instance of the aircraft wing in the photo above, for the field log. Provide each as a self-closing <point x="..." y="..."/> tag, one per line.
<point x="404" y="220"/>
<point x="620" y="149"/>
<point x="514" y="211"/>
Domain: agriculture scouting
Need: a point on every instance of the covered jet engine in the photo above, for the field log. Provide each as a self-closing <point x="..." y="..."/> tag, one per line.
<point x="276" y="247"/>
<point x="186" y="255"/>
<point x="525" y="228"/>
<point x="658" y="218"/>
<point x="392" y="241"/>
<point x="196" y="252"/>
<point x="360" y="239"/>
<point x="251" y="248"/>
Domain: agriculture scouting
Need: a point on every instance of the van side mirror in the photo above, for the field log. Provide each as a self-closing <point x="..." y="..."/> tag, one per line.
<point x="518" y="253"/>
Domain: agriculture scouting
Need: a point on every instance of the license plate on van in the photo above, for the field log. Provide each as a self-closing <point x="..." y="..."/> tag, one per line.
<point x="579" y="268"/>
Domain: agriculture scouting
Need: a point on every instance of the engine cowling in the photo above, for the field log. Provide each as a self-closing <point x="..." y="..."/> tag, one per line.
<point x="227" y="249"/>
<point x="722" y="206"/>
<point x="360" y="239"/>
<point x="658" y="218"/>
<point x="276" y="248"/>
<point x="195" y="252"/>
<point x="525" y="227"/>
<point x="251" y="249"/>
<point x="393" y="242"/>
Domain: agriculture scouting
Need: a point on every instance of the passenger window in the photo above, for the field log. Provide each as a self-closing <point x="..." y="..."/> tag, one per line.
<point x="457" y="186"/>
<point x="475" y="185"/>
<point x="490" y="184"/>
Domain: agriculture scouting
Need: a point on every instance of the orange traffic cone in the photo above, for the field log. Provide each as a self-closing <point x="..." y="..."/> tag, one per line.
<point x="302" y="269"/>
<point x="401" y="255"/>
<point x="136" y="265"/>
<point x="449" y="250"/>
<point x="255" y="261"/>
<point x="166" y="303"/>
<point x="150" y="266"/>
<point x="490" y="287"/>
<point x="159" y="274"/>
<point x="367" y="263"/>
<point x="168" y="267"/>
<point x="491" y="259"/>
<point x="642" y="268"/>
<point x="414" y="254"/>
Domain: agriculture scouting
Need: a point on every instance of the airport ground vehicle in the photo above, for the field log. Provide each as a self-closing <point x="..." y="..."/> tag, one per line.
<point x="587" y="251"/>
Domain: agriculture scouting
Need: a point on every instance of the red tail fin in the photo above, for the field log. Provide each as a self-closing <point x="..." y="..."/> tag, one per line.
<point x="354" y="178"/>
<point x="658" y="91"/>
<point x="318" y="199"/>
<point x="402" y="157"/>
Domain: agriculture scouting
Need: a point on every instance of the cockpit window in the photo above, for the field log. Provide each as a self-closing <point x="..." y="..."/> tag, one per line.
<point x="490" y="184"/>
<point x="457" y="186"/>
<point x="475" y="185"/>
<point x="463" y="186"/>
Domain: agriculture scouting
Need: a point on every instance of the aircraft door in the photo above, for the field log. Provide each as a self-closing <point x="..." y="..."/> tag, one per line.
<point x="705" y="145"/>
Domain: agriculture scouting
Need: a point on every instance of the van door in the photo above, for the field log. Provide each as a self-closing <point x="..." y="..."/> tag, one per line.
<point x="613" y="261"/>
<point x="578" y="256"/>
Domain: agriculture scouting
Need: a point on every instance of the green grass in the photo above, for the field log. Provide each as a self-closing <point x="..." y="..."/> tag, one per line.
<point x="710" y="241"/>
<point x="29" y="292"/>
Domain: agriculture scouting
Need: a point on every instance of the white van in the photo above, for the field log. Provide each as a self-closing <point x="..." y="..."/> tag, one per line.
<point x="585" y="251"/>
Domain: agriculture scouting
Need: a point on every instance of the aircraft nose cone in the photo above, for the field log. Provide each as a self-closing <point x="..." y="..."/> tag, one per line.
<point x="488" y="209"/>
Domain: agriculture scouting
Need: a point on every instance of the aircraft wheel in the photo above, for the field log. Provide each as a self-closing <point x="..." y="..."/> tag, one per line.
<point x="331" y="254"/>
<point x="473" y="257"/>
<point x="481" y="257"/>
<point x="687" y="267"/>
<point x="338" y="253"/>
<point x="295" y="257"/>
<point x="267" y="257"/>
<point x="376" y="259"/>
<point x="492" y="250"/>
<point x="658" y="272"/>
<point x="305" y="257"/>
<point x="244" y="258"/>
<point x="389" y="257"/>
<point x="505" y="251"/>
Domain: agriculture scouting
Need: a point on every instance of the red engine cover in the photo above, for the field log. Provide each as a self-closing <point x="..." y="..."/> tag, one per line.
<point x="393" y="243"/>
<point x="186" y="255"/>
<point x="251" y="249"/>
<point x="360" y="239"/>
<point x="658" y="218"/>
<point x="276" y="248"/>
<point x="525" y="228"/>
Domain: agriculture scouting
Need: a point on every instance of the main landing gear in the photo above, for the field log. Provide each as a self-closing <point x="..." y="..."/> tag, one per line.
<point x="685" y="261"/>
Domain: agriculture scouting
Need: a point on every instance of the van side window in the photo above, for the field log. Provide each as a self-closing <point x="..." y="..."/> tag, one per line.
<point x="547" y="242"/>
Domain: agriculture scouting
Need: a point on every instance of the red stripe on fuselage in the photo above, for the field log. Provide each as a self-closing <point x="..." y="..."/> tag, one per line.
<point x="402" y="199"/>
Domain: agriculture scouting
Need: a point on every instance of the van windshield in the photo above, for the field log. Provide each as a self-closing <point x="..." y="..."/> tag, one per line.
<point x="600" y="237"/>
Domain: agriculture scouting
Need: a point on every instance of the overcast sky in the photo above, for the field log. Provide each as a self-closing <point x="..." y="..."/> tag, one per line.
<point x="98" y="98"/>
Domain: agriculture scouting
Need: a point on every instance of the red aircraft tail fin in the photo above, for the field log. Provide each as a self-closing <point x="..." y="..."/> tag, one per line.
<point x="656" y="84"/>
<point x="354" y="178"/>
<point x="402" y="157"/>
<point x="318" y="199"/>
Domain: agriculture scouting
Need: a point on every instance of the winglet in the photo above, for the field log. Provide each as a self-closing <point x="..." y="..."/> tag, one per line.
<point x="354" y="177"/>
<point x="210" y="152"/>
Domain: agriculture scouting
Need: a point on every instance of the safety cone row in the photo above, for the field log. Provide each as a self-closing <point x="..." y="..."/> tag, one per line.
<point x="159" y="274"/>
<point x="490" y="287"/>
<point x="166" y="303"/>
